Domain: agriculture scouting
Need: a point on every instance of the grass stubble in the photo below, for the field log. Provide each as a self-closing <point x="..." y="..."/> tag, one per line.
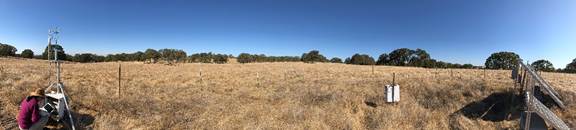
<point x="269" y="95"/>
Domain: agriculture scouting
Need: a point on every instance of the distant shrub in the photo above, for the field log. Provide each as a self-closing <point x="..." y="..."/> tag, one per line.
<point x="336" y="60"/>
<point x="27" y="53"/>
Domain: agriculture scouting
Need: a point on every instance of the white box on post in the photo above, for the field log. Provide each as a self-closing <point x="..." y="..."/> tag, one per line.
<point x="389" y="94"/>
<point x="392" y="93"/>
<point x="396" y="93"/>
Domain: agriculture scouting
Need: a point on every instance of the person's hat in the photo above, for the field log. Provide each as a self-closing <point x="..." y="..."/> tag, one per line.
<point x="38" y="92"/>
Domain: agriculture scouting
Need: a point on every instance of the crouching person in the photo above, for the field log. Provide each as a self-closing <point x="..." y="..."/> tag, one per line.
<point x="30" y="116"/>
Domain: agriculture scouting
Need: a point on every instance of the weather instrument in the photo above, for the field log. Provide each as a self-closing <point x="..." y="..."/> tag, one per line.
<point x="55" y="94"/>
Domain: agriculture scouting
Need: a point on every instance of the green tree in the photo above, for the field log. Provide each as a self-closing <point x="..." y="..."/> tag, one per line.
<point x="167" y="54"/>
<point x="245" y="58"/>
<point x="419" y="58"/>
<point x="58" y="48"/>
<point x="543" y="65"/>
<point x="336" y="60"/>
<point x="400" y="57"/>
<point x="362" y="59"/>
<point x="139" y="56"/>
<point x="151" y="55"/>
<point x="220" y="59"/>
<point x="179" y="55"/>
<point x="202" y="57"/>
<point x="27" y="53"/>
<point x="502" y="60"/>
<point x="282" y="58"/>
<point x="571" y="67"/>
<point x="98" y="58"/>
<point x="468" y="66"/>
<point x="112" y="57"/>
<point x="313" y="56"/>
<point x="260" y="58"/>
<point x="422" y="54"/>
<point x="7" y="50"/>
<point x="347" y="60"/>
<point x="441" y="64"/>
<point x="123" y="57"/>
<point x="559" y="70"/>
<point x="384" y="59"/>
<point x="85" y="57"/>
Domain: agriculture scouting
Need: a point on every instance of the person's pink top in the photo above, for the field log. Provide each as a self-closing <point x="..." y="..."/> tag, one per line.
<point x="29" y="112"/>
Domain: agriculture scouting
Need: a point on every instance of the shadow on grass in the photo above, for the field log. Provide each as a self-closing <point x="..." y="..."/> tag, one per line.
<point x="371" y="104"/>
<point x="82" y="122"/>
<point x="496" y="107"/>
<point x="502" y="106"/>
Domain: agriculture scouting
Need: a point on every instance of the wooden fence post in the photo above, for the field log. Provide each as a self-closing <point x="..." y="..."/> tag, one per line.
<point x="200" y="72"/>
<point x="393" y="79"/>
<point x="372" y="69"/>
<point x="258" y="79"/>
<point x="119" y="78"/>
<point x="484" y="73"/>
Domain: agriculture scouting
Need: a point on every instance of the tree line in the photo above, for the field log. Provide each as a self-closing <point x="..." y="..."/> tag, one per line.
<point x="252" y="58"/>
<point x="404" y="57"/>
<point x="208" y="58"/>
<point x="398" y="57"/>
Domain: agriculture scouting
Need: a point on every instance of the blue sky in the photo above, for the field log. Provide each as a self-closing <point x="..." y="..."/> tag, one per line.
<point x="460" y="31"/>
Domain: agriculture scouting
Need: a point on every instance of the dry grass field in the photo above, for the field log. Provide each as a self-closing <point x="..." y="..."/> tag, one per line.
<point x="276" y="95"/>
